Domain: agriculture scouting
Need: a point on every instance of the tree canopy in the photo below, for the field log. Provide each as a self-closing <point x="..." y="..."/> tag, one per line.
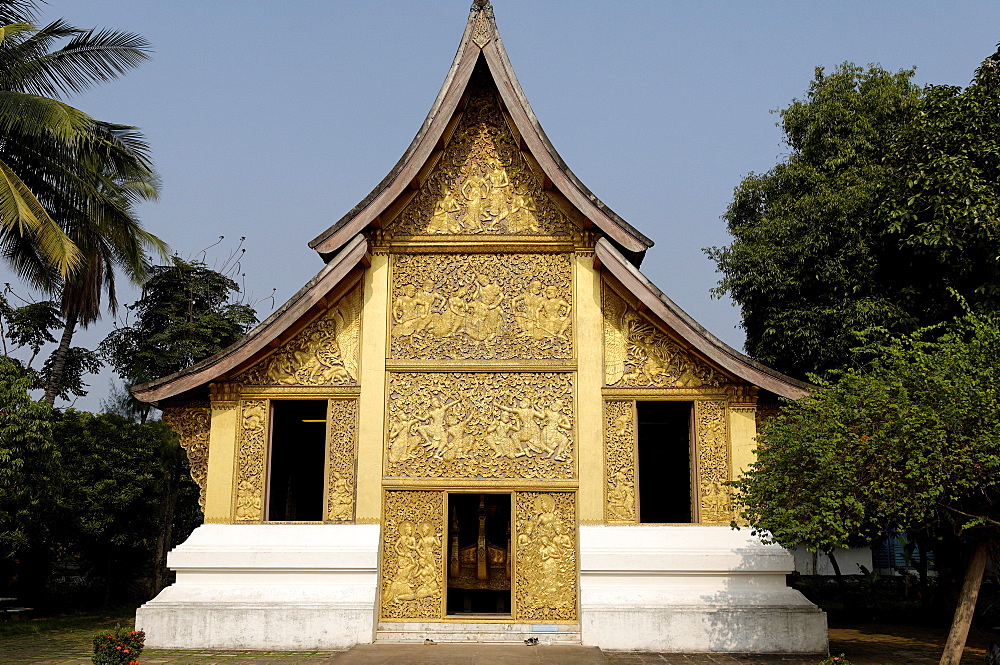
<point x="886" y="200"/>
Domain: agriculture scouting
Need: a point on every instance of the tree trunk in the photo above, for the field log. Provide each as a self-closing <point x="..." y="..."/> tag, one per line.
<point x="836" y="566"/>
<point x="59" y="360"/>
<point x="955" y="645"/>
<point x="166" y="534"/>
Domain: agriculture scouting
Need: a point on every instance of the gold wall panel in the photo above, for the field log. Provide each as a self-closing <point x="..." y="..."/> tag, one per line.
<point x="545" y="577"/>
<point x="712" y="432"/>
<point x="251" y="464"/>
<point x="620" y="462"/>
<point x="481" y="307"/>
<point x="193" y="422"/>
<point x="482" y="183"/>
<point x="638" y="354"/>
<point x="481" y="425"/>
<point x="341" y="452"/>
<point x="412" y="566"/>
<point x="324" y="353"/>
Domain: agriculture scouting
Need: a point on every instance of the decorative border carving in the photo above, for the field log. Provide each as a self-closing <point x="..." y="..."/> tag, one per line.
<point x="326" y="352"/>
<point x="193" y="423"/>
<point x="637" y="353"/>
<point x="482" y="184"/>
<point x="341" y="451"/>
<point x="545" y="556"/>
<point x="712" y="431"/>
<point x="481" y="425"/>
<point x="251" y="464"/>
<point x="412" y="565"/>
<point x="481" y="307"/>
<point x="620" y="505"/>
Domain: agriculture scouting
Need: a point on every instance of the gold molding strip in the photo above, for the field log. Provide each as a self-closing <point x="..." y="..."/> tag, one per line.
<point x="502" y="484"/>
<point x="565" y="365"/>
<point x="650" y="394"/>
<point x="318" y="392"/>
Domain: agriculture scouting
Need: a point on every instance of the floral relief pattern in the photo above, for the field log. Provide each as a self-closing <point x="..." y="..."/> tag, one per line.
<point x="481" y="425"/>
<point x="341" y="447"/>
<point x="250" y="460"/>
<point x="713" y="463"/>
<point x="546" y="559"/>
<point x="192" y="424"/>
<point x="637" y="353"/>
<point x="412" y="560"/>
<point x="481" y="307"/>
<point x="619" y="462"/>
<point x="325" y="353"/>
<point x="482" y="183"/>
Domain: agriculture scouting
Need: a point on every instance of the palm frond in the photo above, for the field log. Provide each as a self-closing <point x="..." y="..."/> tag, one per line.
<point x="32" y="116"/>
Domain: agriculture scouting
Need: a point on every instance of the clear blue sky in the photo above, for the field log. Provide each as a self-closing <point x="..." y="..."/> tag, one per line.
<point x="270" y="120"/>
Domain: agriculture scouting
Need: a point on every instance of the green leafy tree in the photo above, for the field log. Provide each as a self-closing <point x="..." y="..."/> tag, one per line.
<point x="886" y="202"/>
<point x="910" y="443"/>
<point x="56" y="161"/>
<point x="807" y="263"/>
<point x="30" y="474"/>
<point x="186" y="313"/>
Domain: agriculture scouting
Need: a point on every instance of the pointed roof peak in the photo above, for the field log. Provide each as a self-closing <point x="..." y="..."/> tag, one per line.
<point x="482" y="23"/>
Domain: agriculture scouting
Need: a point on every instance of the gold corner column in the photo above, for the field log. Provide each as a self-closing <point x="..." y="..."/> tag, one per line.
<point x="590" y="378"/>
<point x="221" y="462"/>
<point x="371" y="428"/>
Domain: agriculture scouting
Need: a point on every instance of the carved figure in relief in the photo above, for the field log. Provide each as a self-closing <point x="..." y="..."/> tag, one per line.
<point x="406" y="314"/>
<point x="522" y="215"/>
<point x="622" y="425"/>
<point x="621" y="498"/>
<point x="402" y="440"/>
<point x="434" y="432"/>
<point x="544" y="544"/>
<point x="553" y="314"/>
<point x="528" y="434"/>
<point x="456" y="443"/>
<point x="340" y="498"/>
<point x="499" y="437"/>
<point x="555" y="431"/>
<point x="427" y="302"/>
<point x="527" y="306"/>
<point x="713" y="502"/>
<point x="452" y="319"/>
<point x="406" y="565"/>
<point x="427" y="571"/>
<point x="443" y="219"/>
<point x="498" y="183"/>
<point x="475" y="191"/>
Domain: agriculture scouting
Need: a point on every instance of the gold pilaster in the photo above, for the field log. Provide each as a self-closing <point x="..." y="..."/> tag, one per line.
<point x="371" y="432"/>
<point x="223" y="437"/>
<point x="590" y="379"/>
<point x="712" y="462"/>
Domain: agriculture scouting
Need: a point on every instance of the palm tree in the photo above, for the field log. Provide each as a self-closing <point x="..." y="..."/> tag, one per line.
<point x="46" y="145"/>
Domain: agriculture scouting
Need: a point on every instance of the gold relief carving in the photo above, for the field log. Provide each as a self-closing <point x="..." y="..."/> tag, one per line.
<point x="713" y="462"/>
<point x="192" y="422"/>
<point x="482" y="34"/>
<point x="324" y="353"/>
<point x="250" y="461"/>
<point x="482" y="183"/>
<point x="637" y="353"/>
<point x="342" y="416"/>
<point x="481" y="425"/>
<point x="412" y="561"/>
<point x="481" y="307"/>
<point x="546" y="567"/>
<point x="619" y="462"/>
<point x="224" y="395"/>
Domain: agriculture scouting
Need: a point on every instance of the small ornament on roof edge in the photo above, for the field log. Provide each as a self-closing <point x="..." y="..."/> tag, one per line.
<point x="482" y="34"/>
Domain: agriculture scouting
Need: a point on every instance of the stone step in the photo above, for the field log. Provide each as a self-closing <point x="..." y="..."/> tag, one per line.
<point x="470" y="631"/>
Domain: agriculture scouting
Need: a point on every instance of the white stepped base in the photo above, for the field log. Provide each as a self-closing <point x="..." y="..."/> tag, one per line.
<point x="405" y="632"/>
<point x="692" y="589"/>
<point x="272" y="586"/>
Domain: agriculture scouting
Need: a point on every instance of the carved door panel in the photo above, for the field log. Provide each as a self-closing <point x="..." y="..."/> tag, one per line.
<point x="545" y="557"/>
<point x="412" y="564"/>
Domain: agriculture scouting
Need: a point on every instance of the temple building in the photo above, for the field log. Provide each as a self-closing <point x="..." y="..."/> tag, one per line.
<point x="478" y="422"/>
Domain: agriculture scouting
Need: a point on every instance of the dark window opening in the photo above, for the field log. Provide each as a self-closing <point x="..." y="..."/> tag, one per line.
<point x="479" y="564"/>
<point x="664" y="433"/>
<point x="296" y="461"/>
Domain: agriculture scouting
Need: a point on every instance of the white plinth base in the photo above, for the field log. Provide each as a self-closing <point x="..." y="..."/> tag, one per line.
<point x="271" y="586"/>
<point x="691" y="589"/>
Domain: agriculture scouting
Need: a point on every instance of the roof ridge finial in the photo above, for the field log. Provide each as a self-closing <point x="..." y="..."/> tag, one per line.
<point x="480" y="4"/>
<point x="482" y="33"/>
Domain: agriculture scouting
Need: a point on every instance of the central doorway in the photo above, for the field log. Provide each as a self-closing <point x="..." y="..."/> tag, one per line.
<point x="479" y="554"/>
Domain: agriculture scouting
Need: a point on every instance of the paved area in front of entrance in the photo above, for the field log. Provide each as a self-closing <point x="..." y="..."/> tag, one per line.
<point x="880" y="645"/>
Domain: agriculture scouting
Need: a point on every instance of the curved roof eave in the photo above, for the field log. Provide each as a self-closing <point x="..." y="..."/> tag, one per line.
<point x="490" y="46"/>
<point x="263" y="334"/>
<point x="707" y="344"/>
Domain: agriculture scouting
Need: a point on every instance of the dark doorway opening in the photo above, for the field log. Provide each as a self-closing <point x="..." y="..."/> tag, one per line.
<point x="664" y="434"/>
<point x="296" y="461"/>
<point x="479" y="565"/>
